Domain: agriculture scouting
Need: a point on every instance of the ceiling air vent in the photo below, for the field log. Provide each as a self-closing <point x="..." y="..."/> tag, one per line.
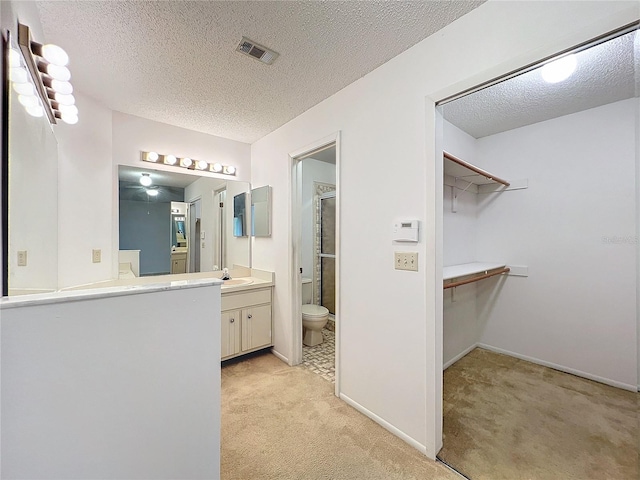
<point x="256" y="51"/>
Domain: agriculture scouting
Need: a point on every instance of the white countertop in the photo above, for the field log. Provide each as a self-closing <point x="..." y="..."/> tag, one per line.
<point x="99" y="291"/>
<point x="456" y="271"/>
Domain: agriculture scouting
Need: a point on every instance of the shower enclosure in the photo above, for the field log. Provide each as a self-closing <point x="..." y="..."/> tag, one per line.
<point x="326" y="261"/>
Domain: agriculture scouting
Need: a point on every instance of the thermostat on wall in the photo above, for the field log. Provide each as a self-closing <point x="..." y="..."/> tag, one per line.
<point x="406" y="231"/>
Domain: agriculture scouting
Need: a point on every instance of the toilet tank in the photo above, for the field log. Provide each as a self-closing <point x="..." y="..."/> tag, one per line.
<point x="307" y="291"/>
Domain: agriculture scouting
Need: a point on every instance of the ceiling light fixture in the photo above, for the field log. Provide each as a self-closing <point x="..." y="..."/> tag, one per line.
<point x="152" y="192"/>
<point x="145" y="180"/>
<point x="186" y="162"/>
<point x="559" y="70"/>
<point x="40" y="71"/>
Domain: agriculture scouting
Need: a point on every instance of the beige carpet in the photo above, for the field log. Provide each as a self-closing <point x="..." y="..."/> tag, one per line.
<point x="505" y="418"/>
<point x="281" y="422"/>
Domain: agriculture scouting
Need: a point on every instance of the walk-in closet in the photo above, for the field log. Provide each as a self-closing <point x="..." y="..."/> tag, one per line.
<point x="540" y="255"/>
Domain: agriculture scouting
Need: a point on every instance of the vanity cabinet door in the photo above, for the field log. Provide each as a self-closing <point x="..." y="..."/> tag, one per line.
<point x="230" y="323"/>
<point x="256" y="327"/>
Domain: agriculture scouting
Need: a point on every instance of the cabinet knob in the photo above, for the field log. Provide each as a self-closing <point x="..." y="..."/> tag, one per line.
<point x="232" y="320"/>
<point x="249" y="316"/>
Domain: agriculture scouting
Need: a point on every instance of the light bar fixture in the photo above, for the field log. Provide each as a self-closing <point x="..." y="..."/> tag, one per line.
<point x="188" y="163"/>
<point x="40" y="77"/>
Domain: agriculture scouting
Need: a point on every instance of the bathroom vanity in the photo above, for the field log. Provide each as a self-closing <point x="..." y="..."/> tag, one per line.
<point x="246" y="321"/>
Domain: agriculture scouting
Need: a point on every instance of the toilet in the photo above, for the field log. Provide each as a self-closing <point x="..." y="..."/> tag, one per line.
<point x="314" y="317"/>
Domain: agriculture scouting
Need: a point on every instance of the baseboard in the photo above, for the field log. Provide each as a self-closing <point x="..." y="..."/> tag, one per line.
<point x="561" y="368"/>
<point x="386" y="425"/>
<point x="280" y="356"/>
<point x="459" y="356"/>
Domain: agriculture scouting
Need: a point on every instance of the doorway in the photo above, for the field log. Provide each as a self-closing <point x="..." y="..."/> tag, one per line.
<point x="513" y="342"/>
<point x="315" y="250"/>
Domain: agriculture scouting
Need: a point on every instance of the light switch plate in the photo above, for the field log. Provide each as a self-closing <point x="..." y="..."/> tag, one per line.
<point x="406" y="261"/>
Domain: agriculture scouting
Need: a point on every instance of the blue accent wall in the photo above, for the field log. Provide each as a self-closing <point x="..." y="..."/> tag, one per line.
<point x="147" y="227"/>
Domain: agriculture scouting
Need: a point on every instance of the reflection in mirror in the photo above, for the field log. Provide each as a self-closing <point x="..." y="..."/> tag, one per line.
<point x="261" y="211"/>
<point x="179" y="224"/>
<point x="240" y="215"/>
<point x="33" y="201"/>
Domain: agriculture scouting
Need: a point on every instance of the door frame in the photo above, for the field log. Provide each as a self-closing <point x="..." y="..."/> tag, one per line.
<point x="295" y="245"/>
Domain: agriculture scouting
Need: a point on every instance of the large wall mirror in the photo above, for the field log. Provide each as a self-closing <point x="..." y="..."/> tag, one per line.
<point x="32" y="261"/>
<point x="179" y="223"/>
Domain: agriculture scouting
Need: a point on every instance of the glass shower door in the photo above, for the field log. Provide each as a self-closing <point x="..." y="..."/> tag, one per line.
<point x="327" y="255"/>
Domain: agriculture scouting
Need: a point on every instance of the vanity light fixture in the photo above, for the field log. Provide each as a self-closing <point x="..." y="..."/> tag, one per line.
<point x="188" y="163"/>
<point x="559" y="70"/>
<point x="40" y="73"/>
<point x="145" y="180"/>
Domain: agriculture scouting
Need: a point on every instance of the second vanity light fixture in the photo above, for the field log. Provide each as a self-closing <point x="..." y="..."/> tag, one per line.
<point x="188" y="163"/>
<point x="40" y="77"/>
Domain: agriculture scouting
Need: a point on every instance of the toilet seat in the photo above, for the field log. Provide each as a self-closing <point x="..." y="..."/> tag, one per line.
<point x="312" y="312"/>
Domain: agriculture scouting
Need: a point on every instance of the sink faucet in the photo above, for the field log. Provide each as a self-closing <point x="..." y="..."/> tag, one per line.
<point x="225" y="274"/>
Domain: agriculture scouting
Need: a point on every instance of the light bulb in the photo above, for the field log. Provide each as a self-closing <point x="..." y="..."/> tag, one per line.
<point x="29" y="100"/>
<point x="18" y="75"/>
<point x="64" y="88"/>
<point x="69" y="118"/>
<point x="35" y="111"/>
<point x="64" y="99"/>
<point x="231" y="170"/>
<point x="559" y="70"/>
<point x="55" y="55"/>
<point x="170" y="159"/>
<point x="15" y="59"/>
<point x="186" y="162"/>
<point x="145" y="180"/>
<point x="202" y="165"/>
<point x="58" y="73"/>
<point x="152" y="193"/>
<point x="70" y="109"/>
<point x="217" y="167"/>
<point x="24" y="88"/>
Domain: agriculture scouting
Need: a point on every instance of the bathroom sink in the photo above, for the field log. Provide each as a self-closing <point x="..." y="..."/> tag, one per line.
<point x="237" y="281"/>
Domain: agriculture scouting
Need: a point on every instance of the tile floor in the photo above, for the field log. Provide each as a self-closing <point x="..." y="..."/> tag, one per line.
<point x="321" y="358"/>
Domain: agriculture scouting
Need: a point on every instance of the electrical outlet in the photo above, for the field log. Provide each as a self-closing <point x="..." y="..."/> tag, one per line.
<point x="406" y="261"/>
<point x="96" y="255"/>
<point x="22" y="258"/>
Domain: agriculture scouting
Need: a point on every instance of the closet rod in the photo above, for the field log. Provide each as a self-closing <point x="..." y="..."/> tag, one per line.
<point x="475" y="169"/>
<point x="475" y="279"/>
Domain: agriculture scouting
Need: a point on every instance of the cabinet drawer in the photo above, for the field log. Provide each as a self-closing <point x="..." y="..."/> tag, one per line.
<point x="232" y="301"/>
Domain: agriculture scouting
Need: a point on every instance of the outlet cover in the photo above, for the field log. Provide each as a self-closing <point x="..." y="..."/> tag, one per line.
<point x="96" y="255"/>
<point x="22" y="258"/>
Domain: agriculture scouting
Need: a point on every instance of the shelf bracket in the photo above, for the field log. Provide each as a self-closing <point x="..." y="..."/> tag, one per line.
<point x="454" y="195"/>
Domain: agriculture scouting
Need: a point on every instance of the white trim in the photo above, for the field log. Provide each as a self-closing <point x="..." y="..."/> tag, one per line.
<point x="561" y="368"/>
<point x="464" y="353"/>
<point x="280" y="356"/>
<point x="386" y="425"/>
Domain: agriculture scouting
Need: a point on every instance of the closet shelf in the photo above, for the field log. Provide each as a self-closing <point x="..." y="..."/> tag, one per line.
<point x="477" y="271"/>
<point x="457" y="168"/>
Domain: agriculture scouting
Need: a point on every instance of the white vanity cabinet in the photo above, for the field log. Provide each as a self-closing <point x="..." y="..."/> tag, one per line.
<point x="246" y="322"/>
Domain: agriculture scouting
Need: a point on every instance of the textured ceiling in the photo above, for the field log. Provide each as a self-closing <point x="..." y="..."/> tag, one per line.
<point x="604" y="74"/>
<point x="175" y="62"/>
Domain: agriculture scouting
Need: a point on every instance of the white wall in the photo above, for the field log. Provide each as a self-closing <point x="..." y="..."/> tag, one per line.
<point x="312" y="171"/>
<point x="124" y="387"/>
<point x="84" y="196"/>
<point x="387" y="126"/>
<point x="459" y="327"/>
<point x="574" y="227"/>
<point x="33" y="177"/>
